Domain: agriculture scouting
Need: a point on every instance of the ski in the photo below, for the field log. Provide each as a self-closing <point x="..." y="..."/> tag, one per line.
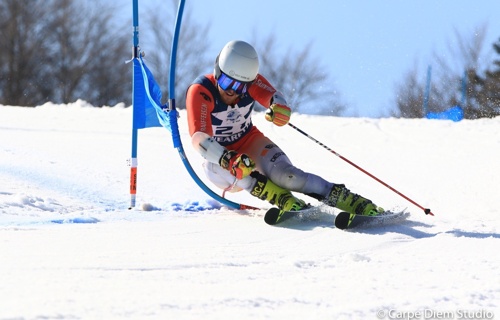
<point x="345" y="220"/>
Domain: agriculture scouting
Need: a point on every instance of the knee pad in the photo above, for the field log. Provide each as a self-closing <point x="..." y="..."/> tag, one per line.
<point x="215" y="175"/>
<point x="288" y="176"/>
<point x="223" y="179"/>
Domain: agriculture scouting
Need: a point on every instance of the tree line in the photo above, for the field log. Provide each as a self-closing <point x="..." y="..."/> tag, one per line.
<point x="471" y="83"/>
<point x="64" y="50"/>
<point x="60" y="51"/>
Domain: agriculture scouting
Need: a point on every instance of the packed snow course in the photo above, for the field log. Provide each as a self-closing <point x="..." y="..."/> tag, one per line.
<point x="71" y="249"/>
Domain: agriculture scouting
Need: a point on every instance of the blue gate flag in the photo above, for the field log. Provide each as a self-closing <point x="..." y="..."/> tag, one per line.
<point x="455" y="114"/>
<point x="147" y="98"/>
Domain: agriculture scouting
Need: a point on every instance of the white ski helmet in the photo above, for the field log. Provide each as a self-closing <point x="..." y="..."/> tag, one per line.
<point x="238" y="60"/>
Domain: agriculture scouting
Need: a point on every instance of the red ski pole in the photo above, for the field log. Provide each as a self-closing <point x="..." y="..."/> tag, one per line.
<point x="426" y="210"/>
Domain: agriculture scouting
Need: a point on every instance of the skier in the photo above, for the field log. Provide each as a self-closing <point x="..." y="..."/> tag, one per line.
<point x="238" y="156"/>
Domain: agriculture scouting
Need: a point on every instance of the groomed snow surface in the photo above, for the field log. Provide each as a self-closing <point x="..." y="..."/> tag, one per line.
<point x="71" y="249"/>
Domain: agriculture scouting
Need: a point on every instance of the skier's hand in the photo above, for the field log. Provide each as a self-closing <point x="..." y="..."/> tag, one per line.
<point x="279" y="114"/>
<point x="239" y="164"/>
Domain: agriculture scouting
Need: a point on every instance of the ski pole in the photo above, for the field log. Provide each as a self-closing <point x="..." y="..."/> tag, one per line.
<point x="426" y="210"/>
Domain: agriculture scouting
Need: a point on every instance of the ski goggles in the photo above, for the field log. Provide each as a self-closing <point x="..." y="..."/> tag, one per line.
<point x="228" y="83"/>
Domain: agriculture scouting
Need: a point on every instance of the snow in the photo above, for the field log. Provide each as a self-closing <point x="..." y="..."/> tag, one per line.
<point x="71" y="249"/>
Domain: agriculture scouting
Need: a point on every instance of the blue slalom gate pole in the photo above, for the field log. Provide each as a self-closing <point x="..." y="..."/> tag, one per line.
<point x="173" y="118"/>
<point x="133" y="158"/>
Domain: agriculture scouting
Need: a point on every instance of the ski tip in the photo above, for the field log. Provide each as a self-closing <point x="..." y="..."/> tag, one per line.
<point x="342" y="220"/>
<point x="272" y="216"/>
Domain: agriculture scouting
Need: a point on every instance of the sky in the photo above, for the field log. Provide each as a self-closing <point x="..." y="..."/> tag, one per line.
<point x="366" y="47"/>
<point x="71" y="249"/>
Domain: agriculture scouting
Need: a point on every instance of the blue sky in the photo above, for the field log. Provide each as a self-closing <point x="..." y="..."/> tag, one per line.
<point x="365" y="46"/>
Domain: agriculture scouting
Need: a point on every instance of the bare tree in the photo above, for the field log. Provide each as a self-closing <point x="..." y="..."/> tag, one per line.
<point x="300" y="77"/>
<point x="484" y="90"/>
<point x="410" y="96"/>
<point x="60" y="51"/>
<point x="191" y="59"/>
<point x="412" y="92"/>
<point x="88" y="53"/>
<point x="23" y="26"/>
<point x="464" y="57"/>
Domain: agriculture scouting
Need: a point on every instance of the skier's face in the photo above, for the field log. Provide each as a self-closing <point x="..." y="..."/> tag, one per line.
<point x="229" y="96"/>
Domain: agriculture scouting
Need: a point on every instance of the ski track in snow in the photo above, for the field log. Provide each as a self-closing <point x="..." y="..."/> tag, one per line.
<point x="71" y="249"/>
